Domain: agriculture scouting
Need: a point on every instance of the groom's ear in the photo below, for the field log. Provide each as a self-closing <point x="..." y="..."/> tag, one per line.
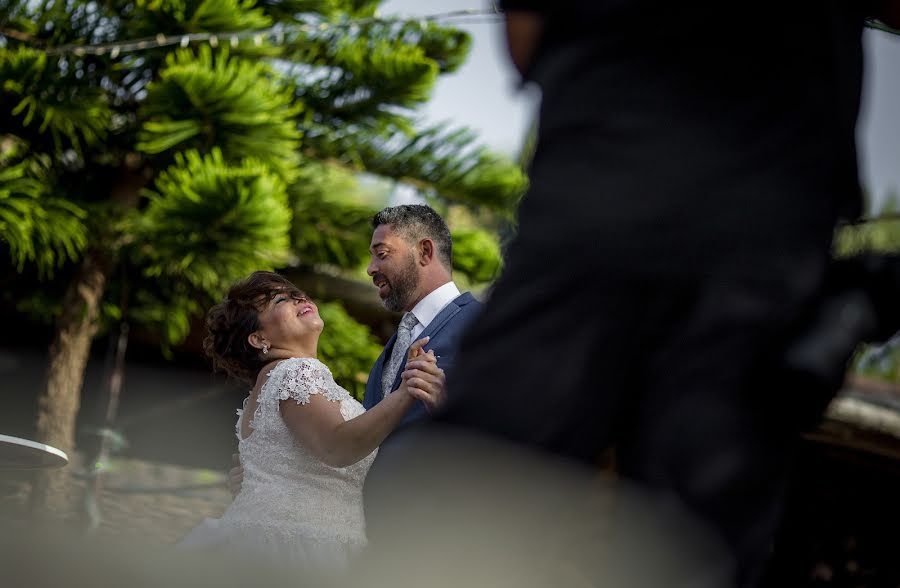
<point x="426" y="248"/>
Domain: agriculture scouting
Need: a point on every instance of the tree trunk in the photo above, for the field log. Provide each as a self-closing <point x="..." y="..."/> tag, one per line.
<point x="76" y="327"/>
<point x="58" y="404"/>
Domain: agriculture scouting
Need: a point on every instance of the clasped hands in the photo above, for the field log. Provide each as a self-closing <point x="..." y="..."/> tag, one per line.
<point x="423" y="378"/>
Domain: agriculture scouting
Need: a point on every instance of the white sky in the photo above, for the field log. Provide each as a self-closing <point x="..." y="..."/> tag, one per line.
<point x="878" y="133"/>
<point x="482" y="95"/>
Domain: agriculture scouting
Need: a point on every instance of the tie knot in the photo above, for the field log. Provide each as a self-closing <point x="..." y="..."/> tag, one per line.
<point x="408" y="321"/>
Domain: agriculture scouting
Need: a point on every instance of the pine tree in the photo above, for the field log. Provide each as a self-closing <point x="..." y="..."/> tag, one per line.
<point x="150" y="177"/>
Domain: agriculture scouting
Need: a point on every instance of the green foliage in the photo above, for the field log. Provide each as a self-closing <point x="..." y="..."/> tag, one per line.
<point x="440" y="162"/>
<point x="876" y="236"/>
<point x="211" y="15"/>
<point x="365" y="78"/>
<point x="880" y="234"/>
<point x="228" y="15"/>
<point x="207" y="224"/>
<point x="476" y="253"/>
<point x="331" y="225"/>
<point x="146" y="18"/>
<point x="360" y="84"/>
<point x="330" y="9"/>
<point x="37" y="96"/>
<point x="371" y="70"/>
<point x="347" y="348"/>
<point x="332" y="232"/>
<point x="165" y="307"/>
<point x="37" y="228"/>
<point x="399" y="75"/>
<point x="241" y="107"/>
<point x="210" y="223"/>
<point x="39" y="306"/>
<point x="447" y="46"/>
<point x="16" y="17"/>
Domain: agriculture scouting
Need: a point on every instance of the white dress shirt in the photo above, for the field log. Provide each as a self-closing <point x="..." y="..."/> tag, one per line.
<point x="431" y="306"/>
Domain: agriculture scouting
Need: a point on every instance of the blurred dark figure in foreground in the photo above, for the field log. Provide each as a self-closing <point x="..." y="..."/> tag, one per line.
<point x="663" y="293"/>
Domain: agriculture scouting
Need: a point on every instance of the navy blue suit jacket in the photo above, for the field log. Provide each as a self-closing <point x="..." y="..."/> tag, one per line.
<point x="445" y="331"/>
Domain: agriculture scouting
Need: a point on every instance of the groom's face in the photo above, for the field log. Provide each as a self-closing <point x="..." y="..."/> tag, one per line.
<point x="393" y="269"/>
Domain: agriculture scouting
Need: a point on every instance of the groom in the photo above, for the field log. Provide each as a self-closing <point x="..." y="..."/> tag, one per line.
<point x="411" y="267"/>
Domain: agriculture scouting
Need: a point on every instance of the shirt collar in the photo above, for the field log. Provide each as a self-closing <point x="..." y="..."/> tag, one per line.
<point x="430" y="306"/>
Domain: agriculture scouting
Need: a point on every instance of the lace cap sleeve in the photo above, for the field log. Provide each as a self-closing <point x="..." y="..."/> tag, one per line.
<point x="299" y="378"/>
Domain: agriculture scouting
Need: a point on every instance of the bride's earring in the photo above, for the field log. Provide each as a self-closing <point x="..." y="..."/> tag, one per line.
<point x="265" y="349"/>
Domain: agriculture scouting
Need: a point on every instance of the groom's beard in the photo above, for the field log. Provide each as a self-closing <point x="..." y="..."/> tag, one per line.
<point x="402" y="287"/>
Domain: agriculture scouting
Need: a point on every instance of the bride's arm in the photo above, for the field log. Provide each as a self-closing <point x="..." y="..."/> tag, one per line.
<point x="320" y="427"/>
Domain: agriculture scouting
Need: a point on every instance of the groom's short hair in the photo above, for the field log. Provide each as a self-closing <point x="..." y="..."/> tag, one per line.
<point x="418" y="221"/>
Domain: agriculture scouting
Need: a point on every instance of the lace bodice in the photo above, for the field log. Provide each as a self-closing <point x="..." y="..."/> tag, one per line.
<point x="287" y="491"/>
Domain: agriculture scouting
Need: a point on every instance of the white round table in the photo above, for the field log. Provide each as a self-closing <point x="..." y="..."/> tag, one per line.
<point x="22" y="454"/>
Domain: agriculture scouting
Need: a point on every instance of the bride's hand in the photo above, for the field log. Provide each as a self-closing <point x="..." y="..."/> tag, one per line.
<point x="423" y="378"/>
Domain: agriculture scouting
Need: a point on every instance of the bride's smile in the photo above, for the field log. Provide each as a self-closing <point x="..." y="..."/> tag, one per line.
<point x="289" y="325"/>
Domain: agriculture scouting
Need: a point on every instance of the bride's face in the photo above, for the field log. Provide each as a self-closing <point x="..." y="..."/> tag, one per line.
<point x="290" y="319"/>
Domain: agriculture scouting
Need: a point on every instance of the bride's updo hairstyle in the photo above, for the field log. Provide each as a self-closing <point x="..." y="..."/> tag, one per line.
<point x="231" y="322"/>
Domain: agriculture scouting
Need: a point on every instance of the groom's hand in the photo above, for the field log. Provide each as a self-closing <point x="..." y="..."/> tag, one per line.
<point x="235" y="476"/>
<point x="415" y="350"/>
<point x="424" y="379"/>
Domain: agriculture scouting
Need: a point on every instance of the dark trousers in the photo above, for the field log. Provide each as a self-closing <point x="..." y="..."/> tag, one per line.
<point x="680" y="370"/>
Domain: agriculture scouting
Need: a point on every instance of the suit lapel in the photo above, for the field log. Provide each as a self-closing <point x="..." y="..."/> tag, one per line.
<point x="433" y="328"/>
<point x="440" y="320"/>
<point x="449" y="311"/>
<point x="373" y="386"/>
<point x="386" y="354"/>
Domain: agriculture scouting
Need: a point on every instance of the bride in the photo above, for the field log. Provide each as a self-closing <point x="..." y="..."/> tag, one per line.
<point x="305" y="444"/>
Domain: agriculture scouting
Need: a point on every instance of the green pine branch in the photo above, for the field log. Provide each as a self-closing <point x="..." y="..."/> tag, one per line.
<point x="38" y="99"/>
<point x="204" y="100"/>
<point x="439" y="161"/>
<point x="36" y="227"/>
<point x="209" y="222"/>
<point x="330" y="10"/>
<point x="360" y="73"/>
<point x="173" y="17"/>
<point x="331" y="224"/>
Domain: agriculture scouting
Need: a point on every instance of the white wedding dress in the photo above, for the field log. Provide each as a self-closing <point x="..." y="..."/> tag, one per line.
<point x="292" y="506"/>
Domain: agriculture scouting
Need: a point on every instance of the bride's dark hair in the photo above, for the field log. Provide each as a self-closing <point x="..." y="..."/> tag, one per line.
<point x="231" y="322"/>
